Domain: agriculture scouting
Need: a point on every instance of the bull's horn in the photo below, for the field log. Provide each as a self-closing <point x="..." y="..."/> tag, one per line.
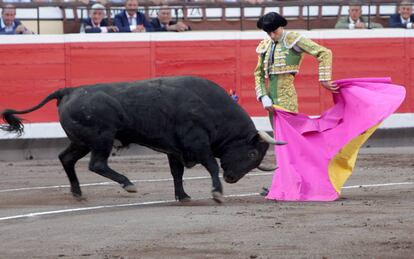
<point x="266" y="137"/>
<point x="267" y="169"/>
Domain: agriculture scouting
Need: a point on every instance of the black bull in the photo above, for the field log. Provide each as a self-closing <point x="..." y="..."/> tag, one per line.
<point x="191" y="119"/>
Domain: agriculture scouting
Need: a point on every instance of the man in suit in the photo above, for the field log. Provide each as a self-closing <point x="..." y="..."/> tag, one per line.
<point x="404" y="18"/>
<point x="164" y="21"/>
<point x="131" y="20"/>
<point x="9" y="24"/>
<point x="355" y="20"/>
<point x="97" y="22"/>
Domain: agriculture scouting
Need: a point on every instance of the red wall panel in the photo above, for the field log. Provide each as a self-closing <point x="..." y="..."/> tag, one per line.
<point x="29" y="72"/>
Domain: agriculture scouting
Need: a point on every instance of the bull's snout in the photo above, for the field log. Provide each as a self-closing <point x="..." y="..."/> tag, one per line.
<point x="230" y="179"/>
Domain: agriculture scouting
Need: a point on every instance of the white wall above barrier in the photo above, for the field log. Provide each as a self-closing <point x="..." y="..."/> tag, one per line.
<point x="54" y="130"/>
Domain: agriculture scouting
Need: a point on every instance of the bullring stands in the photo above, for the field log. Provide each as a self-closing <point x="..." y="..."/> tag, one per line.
<point x="61" y="17"/>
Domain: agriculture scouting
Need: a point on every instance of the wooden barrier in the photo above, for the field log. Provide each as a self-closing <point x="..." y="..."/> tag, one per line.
<point x="32" y="66"/>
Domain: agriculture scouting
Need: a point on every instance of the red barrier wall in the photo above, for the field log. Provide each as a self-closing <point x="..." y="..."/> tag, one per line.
<point x="29" y="72"/>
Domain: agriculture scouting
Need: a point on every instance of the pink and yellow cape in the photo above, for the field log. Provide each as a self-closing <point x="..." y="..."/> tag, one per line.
<point x="321" y="152"/>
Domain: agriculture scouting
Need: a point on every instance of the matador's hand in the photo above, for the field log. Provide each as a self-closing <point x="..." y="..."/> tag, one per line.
<point x="330" y="86"/>
<point x="267" y="103"/>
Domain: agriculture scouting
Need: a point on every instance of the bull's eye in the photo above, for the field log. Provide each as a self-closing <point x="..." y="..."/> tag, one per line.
<point x="253" y="154"/>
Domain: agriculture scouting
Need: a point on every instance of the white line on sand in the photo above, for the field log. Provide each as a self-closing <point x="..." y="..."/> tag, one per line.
<point x="43" y="213"/>
<point x="113" y="183"/>
<point x="375" y="185"/>
<point x="34" y="214"/>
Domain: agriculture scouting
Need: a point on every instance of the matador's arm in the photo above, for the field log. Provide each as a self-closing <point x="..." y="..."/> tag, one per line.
<point x="259" y="72"/>
<point x="259" y="78"/>
<point x="324" y="56"/>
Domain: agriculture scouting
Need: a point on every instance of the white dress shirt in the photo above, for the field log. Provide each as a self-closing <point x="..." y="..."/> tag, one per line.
<point x="6" y="28"/>
<point x="408" y="24"/>
<point x="132" y="20"/>
<point x="103" y="28"/>
<point x="352" y="23"/>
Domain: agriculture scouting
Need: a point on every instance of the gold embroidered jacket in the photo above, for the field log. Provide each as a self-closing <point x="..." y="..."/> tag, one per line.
<point x="286" y="56"/>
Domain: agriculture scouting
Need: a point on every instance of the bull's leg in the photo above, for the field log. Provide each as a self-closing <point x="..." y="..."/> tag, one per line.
<point x="197" y="143"/>
<point x="177" y="171"/>
<point x="213" y="168"/>
<point x="68" y="158"/>
<point x="99" y="164"/>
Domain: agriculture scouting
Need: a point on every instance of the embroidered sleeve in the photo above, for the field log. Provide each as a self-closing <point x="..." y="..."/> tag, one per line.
<point x="259" y="78"/>
<point x="323" y="55"/>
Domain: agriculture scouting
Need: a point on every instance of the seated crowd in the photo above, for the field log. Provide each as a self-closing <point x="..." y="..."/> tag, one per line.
<point x="156" y="2"/>
<point x="134" y="21"/>
<point x="9" y="24"/>
<point x="354" y="20"/>
<point x="131" y="20"/>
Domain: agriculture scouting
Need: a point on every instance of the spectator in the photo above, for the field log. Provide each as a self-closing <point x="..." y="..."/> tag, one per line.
<point x="9" y="24"/>
<point x="404" y="18"/>
<point x="355" y="20"/>
<point x="94" y="2"/>
<point x="163" y="22"/>
<point x="45" y="1"/>
<point x="130" y="20"/>
<point x="17" y="1"/>
<point x="256" y="1"/>
<point x="97" y="22"/>
<point x="117" y="1"/>
<point x="87" y="2"/>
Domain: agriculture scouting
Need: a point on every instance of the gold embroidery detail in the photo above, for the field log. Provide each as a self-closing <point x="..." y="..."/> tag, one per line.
<point x="323" y="55"/>
<point x="259" y="78"/>
<point x="284" y="69"/>
<point x="263" y="46"/>
<point x="287" y="97"/>
<point x="290" y="39"/>
<point x="286" y="92"/>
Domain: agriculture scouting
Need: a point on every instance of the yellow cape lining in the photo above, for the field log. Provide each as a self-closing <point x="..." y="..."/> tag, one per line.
<point x="341" y="166"/>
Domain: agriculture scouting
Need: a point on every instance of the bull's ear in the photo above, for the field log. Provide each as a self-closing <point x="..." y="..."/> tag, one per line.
<point x="253" y="138"/>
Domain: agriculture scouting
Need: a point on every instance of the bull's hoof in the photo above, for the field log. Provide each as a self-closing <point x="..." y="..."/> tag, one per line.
<point x="217" y="197"/>
<point x="130" y="188"/>
<point x="77" y="197"/>
<point x="76" y="192"/>
<point x="185" y="199"/>
<point x="182" y="197"/>
<point x="80" y="198"/>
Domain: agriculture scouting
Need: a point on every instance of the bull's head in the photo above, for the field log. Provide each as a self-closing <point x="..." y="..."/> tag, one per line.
<point x="242" y="156"/>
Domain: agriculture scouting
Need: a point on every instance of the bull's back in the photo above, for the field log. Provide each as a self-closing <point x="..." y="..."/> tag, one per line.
<point x="170" y="92"/>
<point x="154" y="110"/>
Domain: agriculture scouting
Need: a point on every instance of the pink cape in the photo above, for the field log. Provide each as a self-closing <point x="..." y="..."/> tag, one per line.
<point x="321" y="152"/>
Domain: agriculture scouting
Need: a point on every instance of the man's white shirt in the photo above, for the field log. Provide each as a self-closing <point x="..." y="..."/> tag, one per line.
<point x="103" y="28"/>
<point x="352" y="23"/>
<point x="132" y="20"/>
<point x="6" y="28"/>
<point x="408" y="24"/>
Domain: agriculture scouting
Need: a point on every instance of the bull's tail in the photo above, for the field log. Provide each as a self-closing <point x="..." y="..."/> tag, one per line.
<point x="14" y="123"/>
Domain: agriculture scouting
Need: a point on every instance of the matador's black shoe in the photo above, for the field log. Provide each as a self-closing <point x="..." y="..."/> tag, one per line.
<point x="264" y="192"/>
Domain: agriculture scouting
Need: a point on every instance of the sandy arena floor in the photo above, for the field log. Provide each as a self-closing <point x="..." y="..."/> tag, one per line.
<point x="46" y="222"/>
